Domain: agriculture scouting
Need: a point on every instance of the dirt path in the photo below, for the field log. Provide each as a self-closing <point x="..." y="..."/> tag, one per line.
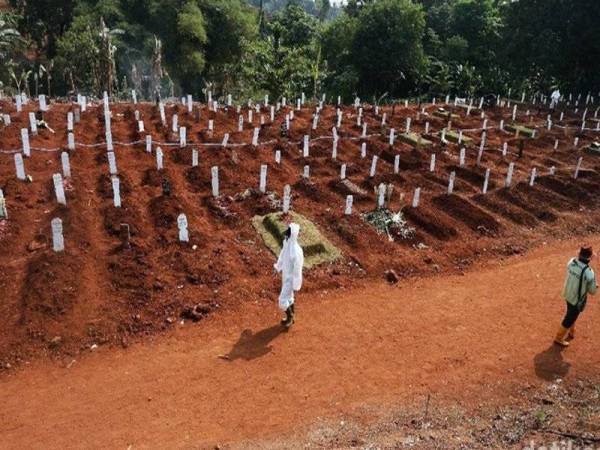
<point x="456" y="337"/>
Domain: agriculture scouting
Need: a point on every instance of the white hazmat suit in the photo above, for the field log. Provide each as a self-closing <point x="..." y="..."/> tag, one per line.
<point x="289" y="264"/>
<point x="555" y="97"/>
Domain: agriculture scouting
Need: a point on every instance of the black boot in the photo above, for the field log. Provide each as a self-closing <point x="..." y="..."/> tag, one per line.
<point x="288" y="317"/>
<point x="291" y="321"/>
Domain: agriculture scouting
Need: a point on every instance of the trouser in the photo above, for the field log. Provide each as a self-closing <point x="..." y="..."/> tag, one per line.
<point x="571" y="316"/>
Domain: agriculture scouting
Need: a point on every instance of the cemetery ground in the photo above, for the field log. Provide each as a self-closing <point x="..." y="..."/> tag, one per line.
<point x="177" y="309"/>
<point x="445" y="362"/>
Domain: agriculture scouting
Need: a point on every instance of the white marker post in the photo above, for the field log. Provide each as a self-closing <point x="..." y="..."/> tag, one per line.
<point x="461" y="161"/>
<point x="486" y="181"/>
<point x="59" y="189"/>
<point x="112" y="163"/>
<point x="182" y="137"/>
<point x="20" y="167"/>
<point x="381" y="196"/>
<point x="3" y="211"/>
<point x="363" y="150"/>
<point x="373" y="166"/>
<point x="159" y="159"/>
<point x="148" y="143"/>
<point x="397" y="164"/>
<point x="71" y="141"/>
<point x="392" y="136"/>
<point x="343" y="172"/>
<point x="175" y="126"/>
<point x="349" y="202"/>
<point x="416" y="197"/>
<point x="305" y="149"/>
<point x="286" y="198"/>
<point x="195" y="157"/>
<point x="306" y="172"/>
<point x="25" y="142"/>
<point x="578" y="167"/>
<point x="69" y="121"/>
<point x="451" y="182"/>
<point x="116" y="186"/>
<point x="511" y="168"/>
<point x="532" y="178"/>
<point x="432" y="163"/>
<point x="255" y="137"/>
<point x="66" y="166"/>
<point x="215" y="180"/>
<point x="182" y="224"/>
<point x="58" y="241"/>
<point x="262" y="186"/>
<point x="278" y="156"/>
<point x="334" y="149"/>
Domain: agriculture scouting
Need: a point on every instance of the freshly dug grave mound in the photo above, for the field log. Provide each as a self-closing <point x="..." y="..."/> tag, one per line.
<point x="317" y="249"/>
<point x="393" y="225"/>
<point x="105" y="189"/>
<point x="454" y="136"/>
<point x="431" y="223"/>
<point x="547" y="197"/>
<point x="257" y="203"/>
<point x="130" y="271"/>
<point x="309" y="189"/>
<point x="408" y="161"/>
<point x="473" y="176"/>
<point x="565" y="188"/>
<point x="474" y="217"/>
<point x="112" y="219"/>
<point x="223" y="208"/>
<point x="153" y="177"/>
<point x="515" y="215"/>
<point x="522" y="201"/>
<point x="346" y="187"/>
<point x="164" y="211"/>
<point x="51" y="286"/>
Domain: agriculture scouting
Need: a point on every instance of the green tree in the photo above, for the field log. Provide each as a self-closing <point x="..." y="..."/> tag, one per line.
<point x="387" y="49"/>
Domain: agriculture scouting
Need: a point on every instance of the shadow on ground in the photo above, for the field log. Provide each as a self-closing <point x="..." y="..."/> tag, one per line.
<point x="550" y="365"/>
<point x="254" y="345"/>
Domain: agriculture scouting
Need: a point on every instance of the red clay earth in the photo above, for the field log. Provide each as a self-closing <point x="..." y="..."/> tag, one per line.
<point x="100" y="292"/>
<point x="478" y="346"/>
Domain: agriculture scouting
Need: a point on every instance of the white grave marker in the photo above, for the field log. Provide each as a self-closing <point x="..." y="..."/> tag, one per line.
<point x="451" y="182"/>
<point x="416" y="197"/>
<point x="66" y="166"/>
<point x="58" y="242"/>
<point x="486" y="181"/>
<point x="148" y="143"/>
<point x="116" y="186"/>
<point x="373" y="166"/>
<point x="20" y="167"/>
<point x="195" y="158"/>
<point x="363" y="150"/>
<point x="306" y="172"/>
<point x="349" y="201"/>
<point x="381" y="196"/>
<point x="578" y="167"/>
<point x="159" y="159"/>
<point x="25" y="142"/>
<point x="343" y="172"/>
<point x="305" y="149"/>
<point x="33" y="123"/>
<point x="509" y="175"/>
<point x="397" y="164"/>
<point x="286" y="198"/>
<point x="182" y="224"/>
<point x="59" y="189"/>
<point x="432" y="163"/>
<point x="278" y="156"/>
<point x="69" y="121"/>
<point x="533" y="175"/>
<point x="215" y="180"/>
<point x="262" y="185"/>
<point x="112" y="163"/>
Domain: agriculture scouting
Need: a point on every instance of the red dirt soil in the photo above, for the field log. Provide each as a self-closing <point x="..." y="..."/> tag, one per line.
<point x="99" y="292"/>
<point x="237" y="379"/>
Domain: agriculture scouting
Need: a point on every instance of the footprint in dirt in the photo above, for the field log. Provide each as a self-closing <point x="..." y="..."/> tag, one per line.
<point x="550" y="365"/>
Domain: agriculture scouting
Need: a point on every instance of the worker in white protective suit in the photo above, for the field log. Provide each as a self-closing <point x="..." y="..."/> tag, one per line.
<point x="289" y="264"/>
<point x="554" y="98"/>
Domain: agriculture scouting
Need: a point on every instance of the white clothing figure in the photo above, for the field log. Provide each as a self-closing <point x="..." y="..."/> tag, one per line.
<point x="555" y="97"/>
<point x="289" y="264"/>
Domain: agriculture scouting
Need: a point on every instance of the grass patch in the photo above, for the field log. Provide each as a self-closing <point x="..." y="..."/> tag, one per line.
<point x="453" y="136"/>
<point x="446" y="115"/>
<point x="523" y="130"/>
<point x="317" y="249"/>
<point x="415" y="140"/>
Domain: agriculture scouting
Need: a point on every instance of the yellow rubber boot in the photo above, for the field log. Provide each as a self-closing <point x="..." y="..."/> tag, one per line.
<point x="571" y="334"/>
<point x="560" y="338"/>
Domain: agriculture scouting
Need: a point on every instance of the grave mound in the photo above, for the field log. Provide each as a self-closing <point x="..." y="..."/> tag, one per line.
<point x="474" y="217"/>
<point x="317" y="249"/>
<point x="522" y="129"/>
<point x="431" y="223"/>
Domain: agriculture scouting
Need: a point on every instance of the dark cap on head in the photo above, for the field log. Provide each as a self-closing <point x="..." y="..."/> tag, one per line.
<point x="585" y="252"/>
